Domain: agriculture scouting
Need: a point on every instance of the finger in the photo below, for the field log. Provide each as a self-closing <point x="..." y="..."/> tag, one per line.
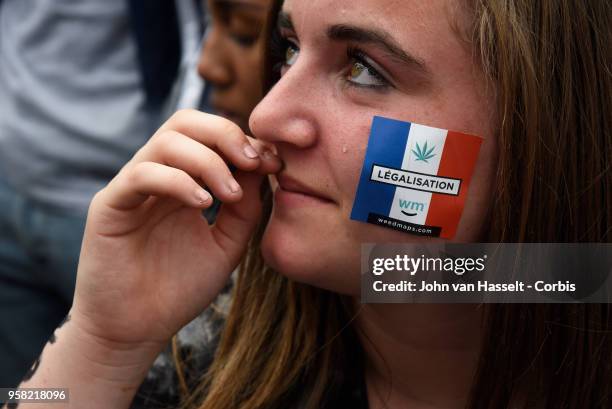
<point x="219" y="134"/>
<point x="179" y="151"/>
<point x="270" y="162"/>
<point x="135" y="184"/>
<point x="237" y="221"/>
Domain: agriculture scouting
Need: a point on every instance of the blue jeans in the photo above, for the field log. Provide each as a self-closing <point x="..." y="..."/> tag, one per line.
<point x="39" y="251"/>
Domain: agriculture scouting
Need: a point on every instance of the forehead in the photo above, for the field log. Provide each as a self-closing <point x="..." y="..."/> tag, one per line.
<point x="394" y="11"/>
<point x="408" y="21"/>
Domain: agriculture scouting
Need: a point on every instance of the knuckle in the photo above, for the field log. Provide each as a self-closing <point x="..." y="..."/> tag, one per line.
<point x="229" y="129"/>
<point x="218" y="168"/>
<point x="96" y="202"/>
<point x="178" y="178"/>
<point x="137" y="172"/>
<point x="96" y="197"/>
<point x="215" y="161"/>
<point x="181" y="116"/>
<point x="163" y="138"/>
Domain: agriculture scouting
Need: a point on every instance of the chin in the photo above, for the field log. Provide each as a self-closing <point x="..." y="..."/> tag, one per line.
<point x="313" y="261"/>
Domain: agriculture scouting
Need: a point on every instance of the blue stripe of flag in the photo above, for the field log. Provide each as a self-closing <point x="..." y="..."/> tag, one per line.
<point x="386" y="146"/>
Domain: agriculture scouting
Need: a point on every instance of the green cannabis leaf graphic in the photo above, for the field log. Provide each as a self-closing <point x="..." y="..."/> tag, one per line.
<point x="423" y="154"/>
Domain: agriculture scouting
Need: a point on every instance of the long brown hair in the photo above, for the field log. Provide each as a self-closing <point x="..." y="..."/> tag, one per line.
<point x="549" y="61"/>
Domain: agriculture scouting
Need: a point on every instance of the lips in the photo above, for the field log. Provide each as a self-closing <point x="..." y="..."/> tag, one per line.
<point x="292" y="185"/>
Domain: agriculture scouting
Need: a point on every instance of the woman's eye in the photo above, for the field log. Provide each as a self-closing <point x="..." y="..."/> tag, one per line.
<point x="245" y="41"/>
<point x="291" y="54"/>
<point x="365" y="76"/>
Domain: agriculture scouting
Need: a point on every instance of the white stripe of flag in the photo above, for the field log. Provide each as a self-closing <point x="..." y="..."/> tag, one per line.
<point x="418" y="134"/>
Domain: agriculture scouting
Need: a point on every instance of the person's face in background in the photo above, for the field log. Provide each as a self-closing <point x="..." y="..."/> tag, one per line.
<point x="345" y="62"/>
<point x="231" y="58"/>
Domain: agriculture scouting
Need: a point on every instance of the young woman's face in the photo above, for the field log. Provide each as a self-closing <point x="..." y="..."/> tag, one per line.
<point x="232" y="54"/>
<point x="345" y="62"/>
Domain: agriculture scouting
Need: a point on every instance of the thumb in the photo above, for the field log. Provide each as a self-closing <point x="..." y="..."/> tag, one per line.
<point x="236" y="222"/>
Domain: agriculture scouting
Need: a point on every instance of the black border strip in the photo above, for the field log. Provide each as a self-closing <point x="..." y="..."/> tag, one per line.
<point x="435" y="230"/>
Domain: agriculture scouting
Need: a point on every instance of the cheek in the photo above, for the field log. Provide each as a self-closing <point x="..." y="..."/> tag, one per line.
<point x="347" y="152"/>
<point x="322" y="255"/>
<point x="344" y="153"/>
<point x="247" y="66"/>
<point x="348" y="172"/>
<point x="477" y="206"/>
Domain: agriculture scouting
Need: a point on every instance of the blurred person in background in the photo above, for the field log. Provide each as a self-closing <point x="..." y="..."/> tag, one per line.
<point x="231" y="59"/>
<point x="82" y="86"/>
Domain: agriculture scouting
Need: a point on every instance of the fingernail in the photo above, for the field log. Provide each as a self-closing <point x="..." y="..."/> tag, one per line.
<point x="234" y="187"/>
<point x="250" y="152"/>
<point x="202" y="196"/>
<point x="268" y="154"/>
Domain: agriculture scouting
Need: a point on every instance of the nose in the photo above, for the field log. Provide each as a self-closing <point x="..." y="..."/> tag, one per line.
<point x="287" y="113"/>
<point x="214" y="66"/>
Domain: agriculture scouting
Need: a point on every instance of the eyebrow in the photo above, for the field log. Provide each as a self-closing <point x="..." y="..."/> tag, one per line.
<point x="343" y="32"/>
<point x="346" y="32"/>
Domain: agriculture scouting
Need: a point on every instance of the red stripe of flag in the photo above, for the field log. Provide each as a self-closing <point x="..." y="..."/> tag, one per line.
<point x="457" y="161"/>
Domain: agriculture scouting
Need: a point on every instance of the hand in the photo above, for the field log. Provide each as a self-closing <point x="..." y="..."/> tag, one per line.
<point x="150" y="263"/>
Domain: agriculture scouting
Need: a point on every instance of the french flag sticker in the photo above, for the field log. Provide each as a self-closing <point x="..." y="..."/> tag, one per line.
<point x="415" y="178"/>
